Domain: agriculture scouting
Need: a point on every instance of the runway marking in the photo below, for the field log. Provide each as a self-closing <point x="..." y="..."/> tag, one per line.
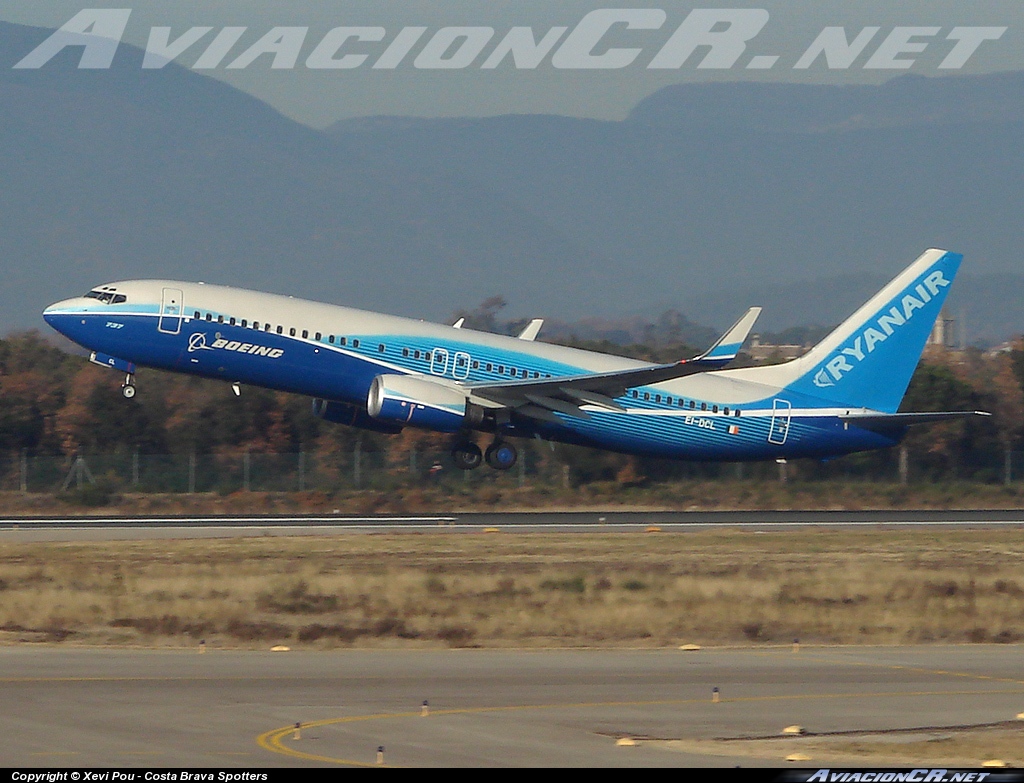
<point x="273" y="740"/>
<point x="917" y="669"/>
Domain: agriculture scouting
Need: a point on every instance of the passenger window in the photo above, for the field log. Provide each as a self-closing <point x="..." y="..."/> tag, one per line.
<point x="220" y="319"/>
<point x="331" y="339"/>
<point x="196" y="314"/>
<point x="381" y="348"/>
<point x="305" y="334"/>
<point x="647" y="395"/>
<point x="209" y="316"/>
<point x="244" y="322"/>
<point x="415" y="354"/>
<point x="405" y="352"/>
<point x="231" y="321"/>
<point x="476" y="365"/>
<point x="490" y="367"/>
<point x="714" y="409"/>
<point x="355" y="343"/>
<point x="703" y="406"/>
<point x="636" y="394"/>
<point x="693" y="405"/>
<point x="280" y="330"/>
<point x="318" y="336"/>
<point x="342" y="340"/>
<point x="725" y="411"/>
<point x="266" y="327"/>
<point x="682" y="403"/>
<point x="657" y="398"/>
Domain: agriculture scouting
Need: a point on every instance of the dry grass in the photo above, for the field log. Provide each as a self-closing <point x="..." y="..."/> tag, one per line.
<point x="461" y="589"/>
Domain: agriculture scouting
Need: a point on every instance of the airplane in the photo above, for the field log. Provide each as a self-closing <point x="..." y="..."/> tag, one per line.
<point x="383" y="373"/>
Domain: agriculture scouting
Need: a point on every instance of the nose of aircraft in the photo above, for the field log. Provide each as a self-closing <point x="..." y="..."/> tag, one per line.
<point x="57" y="314"/>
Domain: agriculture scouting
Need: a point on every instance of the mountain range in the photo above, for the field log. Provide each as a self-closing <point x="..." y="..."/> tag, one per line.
<point x="707" y="198"/>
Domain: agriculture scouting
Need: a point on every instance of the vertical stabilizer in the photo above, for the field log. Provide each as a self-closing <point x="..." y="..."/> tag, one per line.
<point x="867" y="361"/>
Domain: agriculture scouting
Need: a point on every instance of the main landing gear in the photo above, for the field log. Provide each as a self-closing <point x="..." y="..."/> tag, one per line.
<point x="500" y="455"/>
<point x="128" y="387"/>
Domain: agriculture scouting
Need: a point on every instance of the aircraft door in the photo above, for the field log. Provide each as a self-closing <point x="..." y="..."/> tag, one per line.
<point x="171" y="310"/>
<point x="779" y="429"/>
<point x="439" y="361"/>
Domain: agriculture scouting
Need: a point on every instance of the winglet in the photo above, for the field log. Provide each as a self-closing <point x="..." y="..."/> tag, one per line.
<point x="532" y="329"/>
<point x="729" y="344"/>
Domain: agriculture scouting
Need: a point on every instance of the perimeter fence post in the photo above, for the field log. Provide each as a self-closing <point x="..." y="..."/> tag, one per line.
<point x="245" y="471"/>
<point x="302" y="470"/>
<point x="24" y="470"/>
<point x="357" y="467"/>
<point x="904" y="466"/>
<point x="192" y="473"/>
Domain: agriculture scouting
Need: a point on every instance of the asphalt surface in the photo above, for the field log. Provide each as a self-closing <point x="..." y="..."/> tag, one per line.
<point x="65" y="707"/>
<point x="111" y="528"/>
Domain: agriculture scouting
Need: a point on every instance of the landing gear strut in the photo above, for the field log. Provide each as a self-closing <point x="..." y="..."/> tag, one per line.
<point x="128" y="387"/>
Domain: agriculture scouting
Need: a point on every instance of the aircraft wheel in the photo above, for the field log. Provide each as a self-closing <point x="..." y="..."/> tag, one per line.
<point x="128" y="391"/>
<point x="501" y="455"/>
<point x="466" y="456"/>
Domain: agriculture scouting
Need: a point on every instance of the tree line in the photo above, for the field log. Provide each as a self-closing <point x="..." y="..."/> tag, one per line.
<point x="55" y="403"/>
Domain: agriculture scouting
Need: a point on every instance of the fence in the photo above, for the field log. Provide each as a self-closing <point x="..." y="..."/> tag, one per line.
<point x="362" y="468"/>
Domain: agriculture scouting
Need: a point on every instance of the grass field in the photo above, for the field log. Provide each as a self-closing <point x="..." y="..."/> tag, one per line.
<point x="522" y="590"/>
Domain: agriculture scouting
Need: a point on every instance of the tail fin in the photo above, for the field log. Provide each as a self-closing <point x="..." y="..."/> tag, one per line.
<point x="867" y="361"/>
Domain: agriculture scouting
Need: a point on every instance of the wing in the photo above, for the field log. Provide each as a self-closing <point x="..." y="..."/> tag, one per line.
<point x="540" y="399"/>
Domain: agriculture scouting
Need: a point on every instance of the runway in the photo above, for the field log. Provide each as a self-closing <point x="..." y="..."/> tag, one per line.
<point x="140" y="708"/>
<point x="73" y="528"/>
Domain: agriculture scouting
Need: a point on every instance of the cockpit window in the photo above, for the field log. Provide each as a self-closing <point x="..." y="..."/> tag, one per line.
<point x="107" y="297"/>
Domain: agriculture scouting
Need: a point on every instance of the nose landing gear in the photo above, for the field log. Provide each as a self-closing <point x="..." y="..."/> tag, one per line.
<point x="128" y="387"/>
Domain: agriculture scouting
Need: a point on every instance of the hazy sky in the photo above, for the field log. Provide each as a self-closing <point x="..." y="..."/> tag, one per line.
<point x="319" y="97"/>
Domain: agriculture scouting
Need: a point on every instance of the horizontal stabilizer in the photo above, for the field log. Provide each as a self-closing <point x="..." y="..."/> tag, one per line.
<point x="890" y="420"/>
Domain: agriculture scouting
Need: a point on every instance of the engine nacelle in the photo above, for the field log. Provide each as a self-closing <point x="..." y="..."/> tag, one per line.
<point x="352" y="416"/>
<point x="418" y="402"/>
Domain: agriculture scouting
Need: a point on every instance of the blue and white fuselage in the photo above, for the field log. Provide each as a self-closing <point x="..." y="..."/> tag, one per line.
<point x="384" y="372"/>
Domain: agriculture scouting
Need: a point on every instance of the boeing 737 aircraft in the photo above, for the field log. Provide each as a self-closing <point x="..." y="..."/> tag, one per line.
<point x="383" y="373"/>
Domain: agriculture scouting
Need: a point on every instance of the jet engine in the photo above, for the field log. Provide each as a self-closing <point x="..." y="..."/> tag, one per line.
<point x="418" y="402"/>
<point x="352" y="416"/>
